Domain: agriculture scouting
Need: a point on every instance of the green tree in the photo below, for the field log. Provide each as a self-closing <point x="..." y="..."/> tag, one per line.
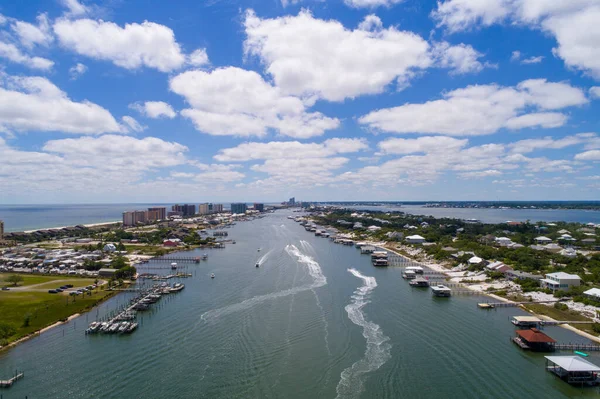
<point x="14" y="279"/>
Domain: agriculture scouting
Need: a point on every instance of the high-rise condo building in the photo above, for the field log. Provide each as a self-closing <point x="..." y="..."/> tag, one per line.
<point x="204" y="209"/>
<point x="1" y="229"/>
<point x="217" y="208"/>
<point x="259" y="207"/>
<point x="238" y="208"/>
<point x="186" y="209"/>
<point x="157" y="214"/>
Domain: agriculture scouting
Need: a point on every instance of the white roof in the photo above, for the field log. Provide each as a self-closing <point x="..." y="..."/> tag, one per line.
<point x="542" y="238"/>
<point x="564" y="275"/>
<point x="527" y="319"/>
<point x="573" y="363"/>
<point x="593" y="292"/>
<point x="503" y="239"/>
<point x="475" y="259"/>
<point x="415" y="237"/>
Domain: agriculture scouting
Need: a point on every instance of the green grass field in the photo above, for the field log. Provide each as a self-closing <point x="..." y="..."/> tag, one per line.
<point x="561" y="315"/>
<point x="43" y="309"/>
<point x="38" y="279"/>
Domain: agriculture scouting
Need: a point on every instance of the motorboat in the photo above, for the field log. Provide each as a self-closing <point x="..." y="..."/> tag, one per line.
<point x="173" y="266"/>
<point x="258" y="249"/>
<point x="212" y="275"/>
<point x="257" y="264"/>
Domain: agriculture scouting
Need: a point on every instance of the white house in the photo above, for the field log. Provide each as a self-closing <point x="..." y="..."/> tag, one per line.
<point x="416" y="239"/>
<point x="593" y="293"/>
<point x="563" y="231"/>
<point x="475" y="260"/>
<point x="568" y="252"/>
<point x="504" y="241"/>
<point x="560" y="281"/>
<point x="110" y="248"/>
<point x="543" y="240"/>
<point x="373" y="228"/>
<point x="566" y="237"/>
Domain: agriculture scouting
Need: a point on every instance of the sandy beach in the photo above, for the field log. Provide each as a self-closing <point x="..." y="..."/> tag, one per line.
<point x="86" y="225"/>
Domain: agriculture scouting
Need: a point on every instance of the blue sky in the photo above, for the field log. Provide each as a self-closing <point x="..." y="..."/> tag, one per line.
<point x="223" y="100"/>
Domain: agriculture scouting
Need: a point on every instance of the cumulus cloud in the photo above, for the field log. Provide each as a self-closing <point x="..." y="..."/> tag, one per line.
<point x="371" y="3"/>
<point x="234" y="101"/>
<point x="77" y="70"/>
<point x="290" y="149"/>
<point x="480" y="110"/>
<point x="460" y="59"/>
<point x="593" y="155"/>
<point x="198" y="57"/>
<point x="31" y="35"/>
<point x="12" y="53"/>
<point x="533" y="60"/>
<point x="154" y="109"/>
<point x="426" y="144"/>
<point x="131" y="125"/>
<point x="292" y="48"/>
<point x="595" y="92"/>
<point x="36" y="104"/>
<point x="530" y="145"/>
<point x="133" y="46"/>
<point x="74" y="8"/>
<point x="572" y="22"/>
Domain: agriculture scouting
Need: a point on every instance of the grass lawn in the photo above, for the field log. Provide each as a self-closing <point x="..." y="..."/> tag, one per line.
<point x="39" y="279"/>
<point x="44" y="309"/>
<point x="562" y="315"/>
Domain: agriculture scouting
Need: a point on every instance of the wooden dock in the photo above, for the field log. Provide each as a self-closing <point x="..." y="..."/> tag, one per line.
<point x="10" y="382"/>
<point x="556" y="323"/>
<point x="577" y="347"/>
<point x="182" y="259"/>
<point x="487" y="305"/>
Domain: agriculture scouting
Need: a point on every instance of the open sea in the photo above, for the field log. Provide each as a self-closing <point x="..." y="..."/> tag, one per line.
<point x="316" y="320"/>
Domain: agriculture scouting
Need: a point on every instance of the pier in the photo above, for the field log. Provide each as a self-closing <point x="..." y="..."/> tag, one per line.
<point x="487" y="305"/>
<point x="577" y="347"/>
<point x="182" y="259"/>
<point x="8" y="383"/>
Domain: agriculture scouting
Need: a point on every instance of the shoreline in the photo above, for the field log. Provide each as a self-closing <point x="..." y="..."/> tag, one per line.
<point x="39" y="332"/>
<point x="439" y="268"/>
<point x="64" y="227"/>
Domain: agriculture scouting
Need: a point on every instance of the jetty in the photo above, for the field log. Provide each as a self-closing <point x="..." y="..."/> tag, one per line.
<point x="487" y="305"/>
<point x="183" y="259"/>
<point x="8" y="383"/>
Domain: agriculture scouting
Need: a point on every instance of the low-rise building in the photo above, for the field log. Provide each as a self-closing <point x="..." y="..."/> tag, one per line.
<point x="593" y="293"/>
<point x="415" y="239"/>
<point x="543" y="240"/>
<point x="560" y="281"/>
<point x="105" y="272"/>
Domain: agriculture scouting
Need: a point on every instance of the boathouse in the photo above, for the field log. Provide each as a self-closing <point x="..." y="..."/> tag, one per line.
<point x="573" y="369"/>
<point x="534" y="340"/>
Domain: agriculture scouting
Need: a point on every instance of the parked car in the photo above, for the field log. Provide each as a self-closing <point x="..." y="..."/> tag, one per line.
<point x="58" y="290"/>
<point x="5" y="289"/>
<point x="69" y="285"/>
<point x="52" y="292"/>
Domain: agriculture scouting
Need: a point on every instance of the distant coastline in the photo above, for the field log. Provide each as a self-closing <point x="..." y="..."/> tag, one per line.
<point x="85" y="225"/>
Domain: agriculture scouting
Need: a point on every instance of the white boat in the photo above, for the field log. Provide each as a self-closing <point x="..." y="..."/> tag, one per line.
<point x="212" y="275"/>
<point x="258" y="249"/>
<point x="173" y="266"/>
<point x="257" y="264"/>
<point x="441" y="290"/>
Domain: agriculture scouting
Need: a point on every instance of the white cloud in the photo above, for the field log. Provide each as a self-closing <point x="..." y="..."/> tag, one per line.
<point x="131" y="125"/>
<point x="154" y="109"/>
<point x="533" y="60"/>
<point x="460" y="59"/>
<point x="371" y="3"/>
<point x="290" y="149"/>
<point x="36" y="104"/>
<point x="593" y="155"/>
<point x="308" y="57"/>
<point x="530" y="145"/>
<point x="595" y="92"/>
<point x="133" y="46"/>
<point x="480" y="174"/>
<point x="574" y="23"/>
<point x="234" y="101"/>
<point x="198" y="57"/>
<point x="426" y="144"/>
<point x="480" y="110"/>
<point x="30" y="35"/>
<point x="515" y="56"/>
<point x="77" y="70"/>
<point x="12" y="53"/>
<point x="75" y="8"/>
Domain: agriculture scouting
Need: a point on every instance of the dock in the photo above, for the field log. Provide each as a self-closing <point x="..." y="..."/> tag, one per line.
<point x="487" y="305"/>
<point x="556" y="323"/>
<point x="182" y="259"/>
<point x="577" y="347"/>
<point x="10" y="382"/>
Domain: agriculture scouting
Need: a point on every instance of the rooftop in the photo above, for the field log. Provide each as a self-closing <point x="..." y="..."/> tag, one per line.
<point x="534" y="335"/>
<point x="573" y="363"/>
<point x="563" y="275"/>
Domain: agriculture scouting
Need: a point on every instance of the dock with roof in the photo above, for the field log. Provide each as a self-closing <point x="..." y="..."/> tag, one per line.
<point x="573" y="370"/>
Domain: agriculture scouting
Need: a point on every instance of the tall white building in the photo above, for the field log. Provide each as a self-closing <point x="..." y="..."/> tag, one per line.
<point x="204" y="209"/>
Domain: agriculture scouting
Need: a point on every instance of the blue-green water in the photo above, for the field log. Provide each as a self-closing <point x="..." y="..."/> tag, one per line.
<point x="301" y="326"/>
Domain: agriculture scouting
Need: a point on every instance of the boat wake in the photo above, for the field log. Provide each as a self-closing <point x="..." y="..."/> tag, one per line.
<point x="314" y="269"/>
<point x="306" y="245"/>
<point x="263" y="258"/>
<point x="378" y="350"/>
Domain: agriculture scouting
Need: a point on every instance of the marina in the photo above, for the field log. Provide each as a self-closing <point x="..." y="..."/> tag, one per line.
<point x="250" y="332"/>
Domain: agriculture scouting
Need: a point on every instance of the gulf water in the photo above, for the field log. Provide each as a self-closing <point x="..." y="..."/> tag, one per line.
<point x="315" y="320"/>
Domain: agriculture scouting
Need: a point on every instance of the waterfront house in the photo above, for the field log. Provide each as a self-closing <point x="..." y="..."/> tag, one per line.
<point x="573" y="369"/>
<point x="560" y="281"/>
<point x="475" y="260"/>
<point x="394" y="235"/>
<point x="543" y="240"/>
<point x="534" y="340"/>
<point x="593" y="293"/>
<point x="518" y="274"/>
<point x="415" y="239"/>
<point x="498" y="267"/>
<point x="109" y="248"/>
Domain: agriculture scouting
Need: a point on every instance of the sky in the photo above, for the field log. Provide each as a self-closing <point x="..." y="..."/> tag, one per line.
<point x="247" y="100"/>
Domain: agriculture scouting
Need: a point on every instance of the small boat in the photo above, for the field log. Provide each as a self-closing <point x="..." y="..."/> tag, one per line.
<point x="173" y="266"/>
<point x="257" y="264"/>
<point x="212" y="275"/>
<point x="581" y="353"/>
<point x="258" y="249"/>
